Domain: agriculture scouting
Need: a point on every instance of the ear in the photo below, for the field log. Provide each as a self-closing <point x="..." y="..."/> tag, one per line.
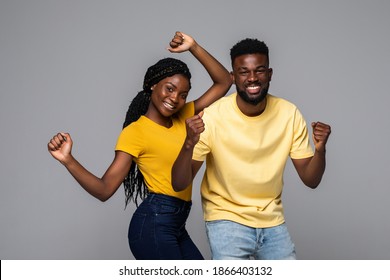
<point x="270" y="72"/>
<point x="232" y="76"/>
<point x="152" y="87"/>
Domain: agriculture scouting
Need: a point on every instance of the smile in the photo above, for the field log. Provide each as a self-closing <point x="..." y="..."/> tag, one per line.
<point x="169" y="106"/>
<point x="253" y="89"/>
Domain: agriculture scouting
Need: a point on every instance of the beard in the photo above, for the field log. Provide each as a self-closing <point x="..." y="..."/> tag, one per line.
<point x="256" y="100"/>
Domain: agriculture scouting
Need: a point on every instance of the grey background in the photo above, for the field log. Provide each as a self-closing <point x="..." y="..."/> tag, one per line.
<point x="74" y="66"/>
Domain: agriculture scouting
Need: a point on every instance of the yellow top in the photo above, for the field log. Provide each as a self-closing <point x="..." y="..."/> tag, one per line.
<point x="245" y="160"/>
<point x="155" y="149"/>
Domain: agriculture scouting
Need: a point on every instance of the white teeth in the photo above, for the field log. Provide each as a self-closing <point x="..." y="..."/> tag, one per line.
<point x="169" y="105"/>
<point x="253" y="87"/>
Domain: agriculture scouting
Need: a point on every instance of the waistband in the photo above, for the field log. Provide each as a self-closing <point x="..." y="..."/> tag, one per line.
<point x="157" y="197"/>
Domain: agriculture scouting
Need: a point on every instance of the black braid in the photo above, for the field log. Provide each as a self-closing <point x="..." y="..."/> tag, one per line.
<point x="134" y="182"/>
<point x="138" y="107"/>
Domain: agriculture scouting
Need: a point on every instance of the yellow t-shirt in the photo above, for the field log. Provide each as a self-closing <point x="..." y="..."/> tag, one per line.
<point x="155" y="149"/>
<point x="245" y="160"/>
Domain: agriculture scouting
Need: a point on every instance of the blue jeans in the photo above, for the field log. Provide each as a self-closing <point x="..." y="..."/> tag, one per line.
<point x="233" y="241"/>
<point x="157" y="230"/>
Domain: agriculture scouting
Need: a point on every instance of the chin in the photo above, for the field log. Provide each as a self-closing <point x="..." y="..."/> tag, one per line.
<point x="253" y="100"/>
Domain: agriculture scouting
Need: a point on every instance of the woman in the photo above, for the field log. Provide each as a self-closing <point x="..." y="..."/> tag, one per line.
<point x="154" y="131"/>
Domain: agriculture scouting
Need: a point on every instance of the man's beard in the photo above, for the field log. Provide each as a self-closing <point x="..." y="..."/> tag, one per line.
<point x="253" y="101"/>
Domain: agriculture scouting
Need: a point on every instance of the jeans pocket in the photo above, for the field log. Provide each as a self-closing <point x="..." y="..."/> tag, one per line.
<point x="167" y="209"/>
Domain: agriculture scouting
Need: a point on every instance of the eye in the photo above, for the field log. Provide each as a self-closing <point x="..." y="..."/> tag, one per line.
<point x="170" y="89"/>
<point x="184" y="96"/>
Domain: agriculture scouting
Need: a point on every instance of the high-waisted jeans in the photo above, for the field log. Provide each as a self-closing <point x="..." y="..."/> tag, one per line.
<point x="157" y="230"/>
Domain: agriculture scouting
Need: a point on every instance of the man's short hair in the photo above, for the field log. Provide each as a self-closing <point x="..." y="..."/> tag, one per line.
<point x="248" y="46"/>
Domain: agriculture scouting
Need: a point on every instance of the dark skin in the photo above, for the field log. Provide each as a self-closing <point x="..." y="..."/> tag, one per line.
<point x="251" y="74"/>
<point x="168" y="97"/>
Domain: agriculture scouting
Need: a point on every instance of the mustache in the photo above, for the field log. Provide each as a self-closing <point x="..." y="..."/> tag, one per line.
<point x="260" y="84"/>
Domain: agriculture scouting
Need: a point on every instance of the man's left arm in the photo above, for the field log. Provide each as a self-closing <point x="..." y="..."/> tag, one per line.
<point x="310" y="170"/>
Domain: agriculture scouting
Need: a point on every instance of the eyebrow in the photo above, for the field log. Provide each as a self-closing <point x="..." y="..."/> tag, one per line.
<point x="260" y="66"/>
<point x="172" y="84"/>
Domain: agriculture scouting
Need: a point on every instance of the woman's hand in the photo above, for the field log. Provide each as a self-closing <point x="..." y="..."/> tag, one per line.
<point x="60" y="146"/>
<point x="181" y="42"/>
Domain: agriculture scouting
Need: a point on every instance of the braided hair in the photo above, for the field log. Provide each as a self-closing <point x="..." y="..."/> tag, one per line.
<point x="134" y="183"/>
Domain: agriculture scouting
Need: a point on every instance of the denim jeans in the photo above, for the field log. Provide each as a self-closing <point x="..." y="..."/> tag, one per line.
<point x="157" y="230"/>
<point x="233" y="241"/>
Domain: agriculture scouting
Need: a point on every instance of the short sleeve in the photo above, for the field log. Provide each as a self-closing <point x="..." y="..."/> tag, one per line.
<point x="300" y="147"/>
<point x="131" y="140"/>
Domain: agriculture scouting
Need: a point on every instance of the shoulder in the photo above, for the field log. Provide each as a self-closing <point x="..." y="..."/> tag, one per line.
<point x="135" y="128"/>
<point x="279" y="104"/>
<point x="137" y="124"/>
<point x="279" y="101"/>
<point x="221" y="103"/>
<point x="187" y="111"/>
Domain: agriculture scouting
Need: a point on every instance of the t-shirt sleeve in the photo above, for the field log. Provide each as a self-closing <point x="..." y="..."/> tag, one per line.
<point x="187" y="111"/>
<point x="301" y="147"/>
<point x="131" y="141"/>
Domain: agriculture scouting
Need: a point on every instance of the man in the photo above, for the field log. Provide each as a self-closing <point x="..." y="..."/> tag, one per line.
<point x="246" y="139"/>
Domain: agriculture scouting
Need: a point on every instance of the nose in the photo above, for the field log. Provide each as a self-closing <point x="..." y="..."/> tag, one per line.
<point x="174" y="97"/>
<point x="252" y="76"/>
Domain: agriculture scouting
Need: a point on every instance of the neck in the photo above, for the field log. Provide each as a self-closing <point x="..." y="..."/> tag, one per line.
<point x="251" y="110"/>
<point x="163" y="121"/>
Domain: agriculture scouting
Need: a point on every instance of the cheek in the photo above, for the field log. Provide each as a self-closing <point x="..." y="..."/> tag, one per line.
<point x="240" y="83"/>
<point x="238" y="80"/>
<point x="182" y="102"/>
<point x="265" y="79"/>
<point x="269" y="77"/>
